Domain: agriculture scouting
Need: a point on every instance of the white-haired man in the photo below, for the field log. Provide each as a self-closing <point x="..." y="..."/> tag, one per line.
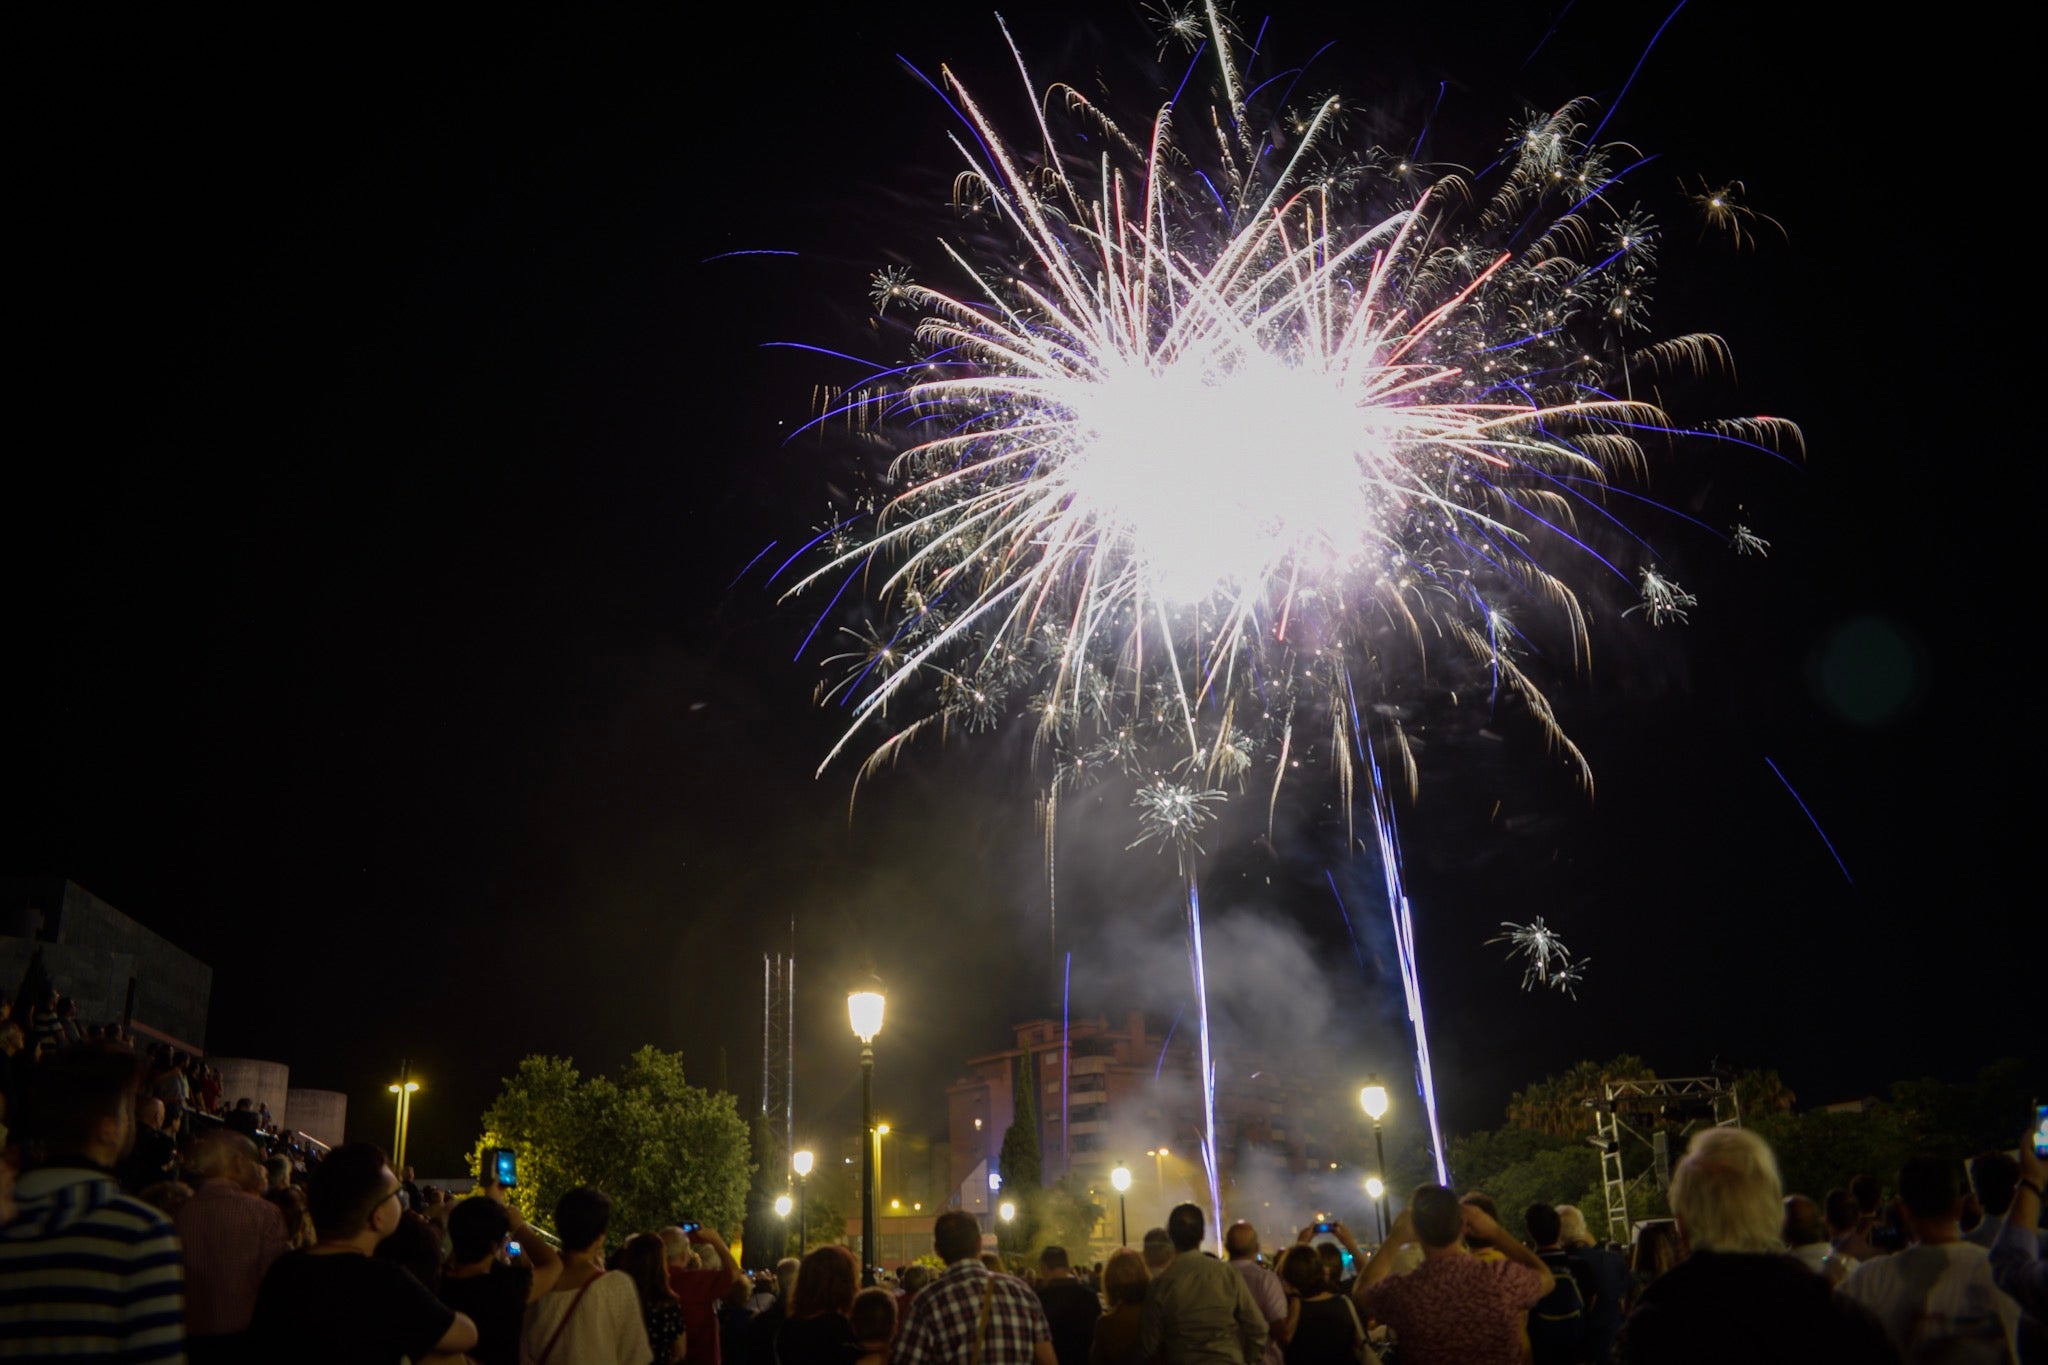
<point x="1737" y="1295"/>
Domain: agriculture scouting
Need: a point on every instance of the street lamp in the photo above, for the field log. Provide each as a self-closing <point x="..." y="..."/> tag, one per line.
<point x="1159" y="1155"/>
<point x="1374" y="1098"/>
<point x="1007" y="1211"/>
<point x="1375" y="1190"/>
<point x="783" y="1204"/>
<point x="405" y="1088"/>
<point x="1121" y="1179"/>
<point x="864" y="1012"/>
<point x="801" y="1163"/>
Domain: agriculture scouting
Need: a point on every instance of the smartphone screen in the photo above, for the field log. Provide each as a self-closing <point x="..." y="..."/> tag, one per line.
<point x="505" y="1168"/>
<point x="2041" y="1131"/>
<point x="512" y="1248"/>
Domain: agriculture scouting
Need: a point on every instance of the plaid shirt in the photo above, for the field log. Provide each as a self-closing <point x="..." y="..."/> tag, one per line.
<point x="230" y="1237"/>
<point x="945" y="1320"/>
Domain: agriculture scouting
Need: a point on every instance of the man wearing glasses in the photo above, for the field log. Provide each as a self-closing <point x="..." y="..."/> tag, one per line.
<point x="338" y="1302"/>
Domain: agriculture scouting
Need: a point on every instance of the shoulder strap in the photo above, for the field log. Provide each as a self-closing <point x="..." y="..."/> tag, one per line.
<point x="563" y="1325"/>
<point x="988" y="1299"/>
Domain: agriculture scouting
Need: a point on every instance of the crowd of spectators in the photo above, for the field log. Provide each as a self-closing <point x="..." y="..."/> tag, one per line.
<point x="140" y="1228"/>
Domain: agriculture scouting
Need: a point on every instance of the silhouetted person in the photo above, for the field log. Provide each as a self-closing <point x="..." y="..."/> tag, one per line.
<point x="106" y="1271"/>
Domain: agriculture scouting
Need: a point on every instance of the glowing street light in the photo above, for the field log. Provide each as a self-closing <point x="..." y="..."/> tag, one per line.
<point x="1374" y="1100"/>
<point x="864" y="1013"/>
<point x="800" y="1162"/>
<point x="1159" y="1155"/>
<point x="405" y="1088"/>
<point x="1375" y="1190"/>
<point x="1121" y="1179"/>
<point x="783" y="1204"/>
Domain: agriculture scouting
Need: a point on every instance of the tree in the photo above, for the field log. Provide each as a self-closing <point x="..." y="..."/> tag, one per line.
<point x="1818" y="1151"/>
<point x="1064" y="1216"/>
<point x="1762" y="1091"/>
<point x="662" y="1149"/>
<point x="1556" y="1105"/>
<point x="1022" y="1158"/>
<point x="1023" y="1162"/>
<point x="766" y="1235"/>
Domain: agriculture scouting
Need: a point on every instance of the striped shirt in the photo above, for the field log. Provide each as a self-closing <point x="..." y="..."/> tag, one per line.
<point x="87" y="1271"/>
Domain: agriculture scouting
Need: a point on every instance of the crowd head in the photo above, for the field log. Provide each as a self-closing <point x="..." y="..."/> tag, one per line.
<point x="1726" y="1194"/>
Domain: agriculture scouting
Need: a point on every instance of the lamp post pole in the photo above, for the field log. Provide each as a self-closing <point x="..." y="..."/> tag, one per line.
<point x="404" y="1087"/>
<point x="864" y="1010"/>
<point x="1374" y="1098"/>
<point x="867" y="1165"/>
<point x="1121" y="1178"/>
<point x="398" y="1116"/>
<point x="802" y="1162"/>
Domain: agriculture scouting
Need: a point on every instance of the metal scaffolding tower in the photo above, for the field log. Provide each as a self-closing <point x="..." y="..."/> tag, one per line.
<point x="778" y="1048"/>
<point x="1684" y="1101"/>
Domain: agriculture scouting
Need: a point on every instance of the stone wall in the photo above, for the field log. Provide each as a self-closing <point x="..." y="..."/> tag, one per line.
<point x="321" y="1114"/>
<point x="264" y="1082"/>
<point x="91" y="950"/>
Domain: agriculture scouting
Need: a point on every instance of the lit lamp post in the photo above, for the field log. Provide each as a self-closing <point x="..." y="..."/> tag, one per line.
<point x="1374" y="1098"/>
<point x="1006" y="1211"/>
<point x="783" y="1204"/>
<point x="1159" y="1155"/>
<point x="404" y="1087"/>
<point x="864" y="1012"/>
<point x="1121" y="1178"/>
<point x="801" y="1162"/>
<point x="1376" y="1190"/>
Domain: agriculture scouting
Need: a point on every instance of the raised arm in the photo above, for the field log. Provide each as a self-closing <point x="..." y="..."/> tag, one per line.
<point x="1479" y="1224"/>
<point x="1382" y="1263"/>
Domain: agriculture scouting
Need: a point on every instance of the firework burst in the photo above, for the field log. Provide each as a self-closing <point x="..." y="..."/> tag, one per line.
<point x="1546" y="961"/>
<point x="1216" y="444"/>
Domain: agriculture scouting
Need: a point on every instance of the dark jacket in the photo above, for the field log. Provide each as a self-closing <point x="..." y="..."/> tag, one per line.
<point x="1716" y="1307"/>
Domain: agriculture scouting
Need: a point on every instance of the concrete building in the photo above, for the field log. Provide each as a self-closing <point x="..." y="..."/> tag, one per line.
<point x="95" y="954"/>
<point x="1126" y="1094"/>
<point x="263" y="1082"/>
<point x="320" y="1114"/>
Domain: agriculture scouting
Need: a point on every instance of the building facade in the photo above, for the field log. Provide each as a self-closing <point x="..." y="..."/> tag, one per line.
<point x="103" y="959"/>
<point x="1127" y="1093"/>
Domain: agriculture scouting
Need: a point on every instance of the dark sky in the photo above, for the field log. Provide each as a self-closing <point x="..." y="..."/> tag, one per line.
<point x="368" y="581"/>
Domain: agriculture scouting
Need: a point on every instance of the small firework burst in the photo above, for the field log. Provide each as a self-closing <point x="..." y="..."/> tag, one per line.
<point x="1546" y="961"/>
<point x="1663" y="599"/>
<point x="1173" y="813"/>
<point x="890" y="284"/>
<point x="1722" y="210"/>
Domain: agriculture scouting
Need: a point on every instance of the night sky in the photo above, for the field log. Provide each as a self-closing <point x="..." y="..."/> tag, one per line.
<point x="392" y="446"/>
